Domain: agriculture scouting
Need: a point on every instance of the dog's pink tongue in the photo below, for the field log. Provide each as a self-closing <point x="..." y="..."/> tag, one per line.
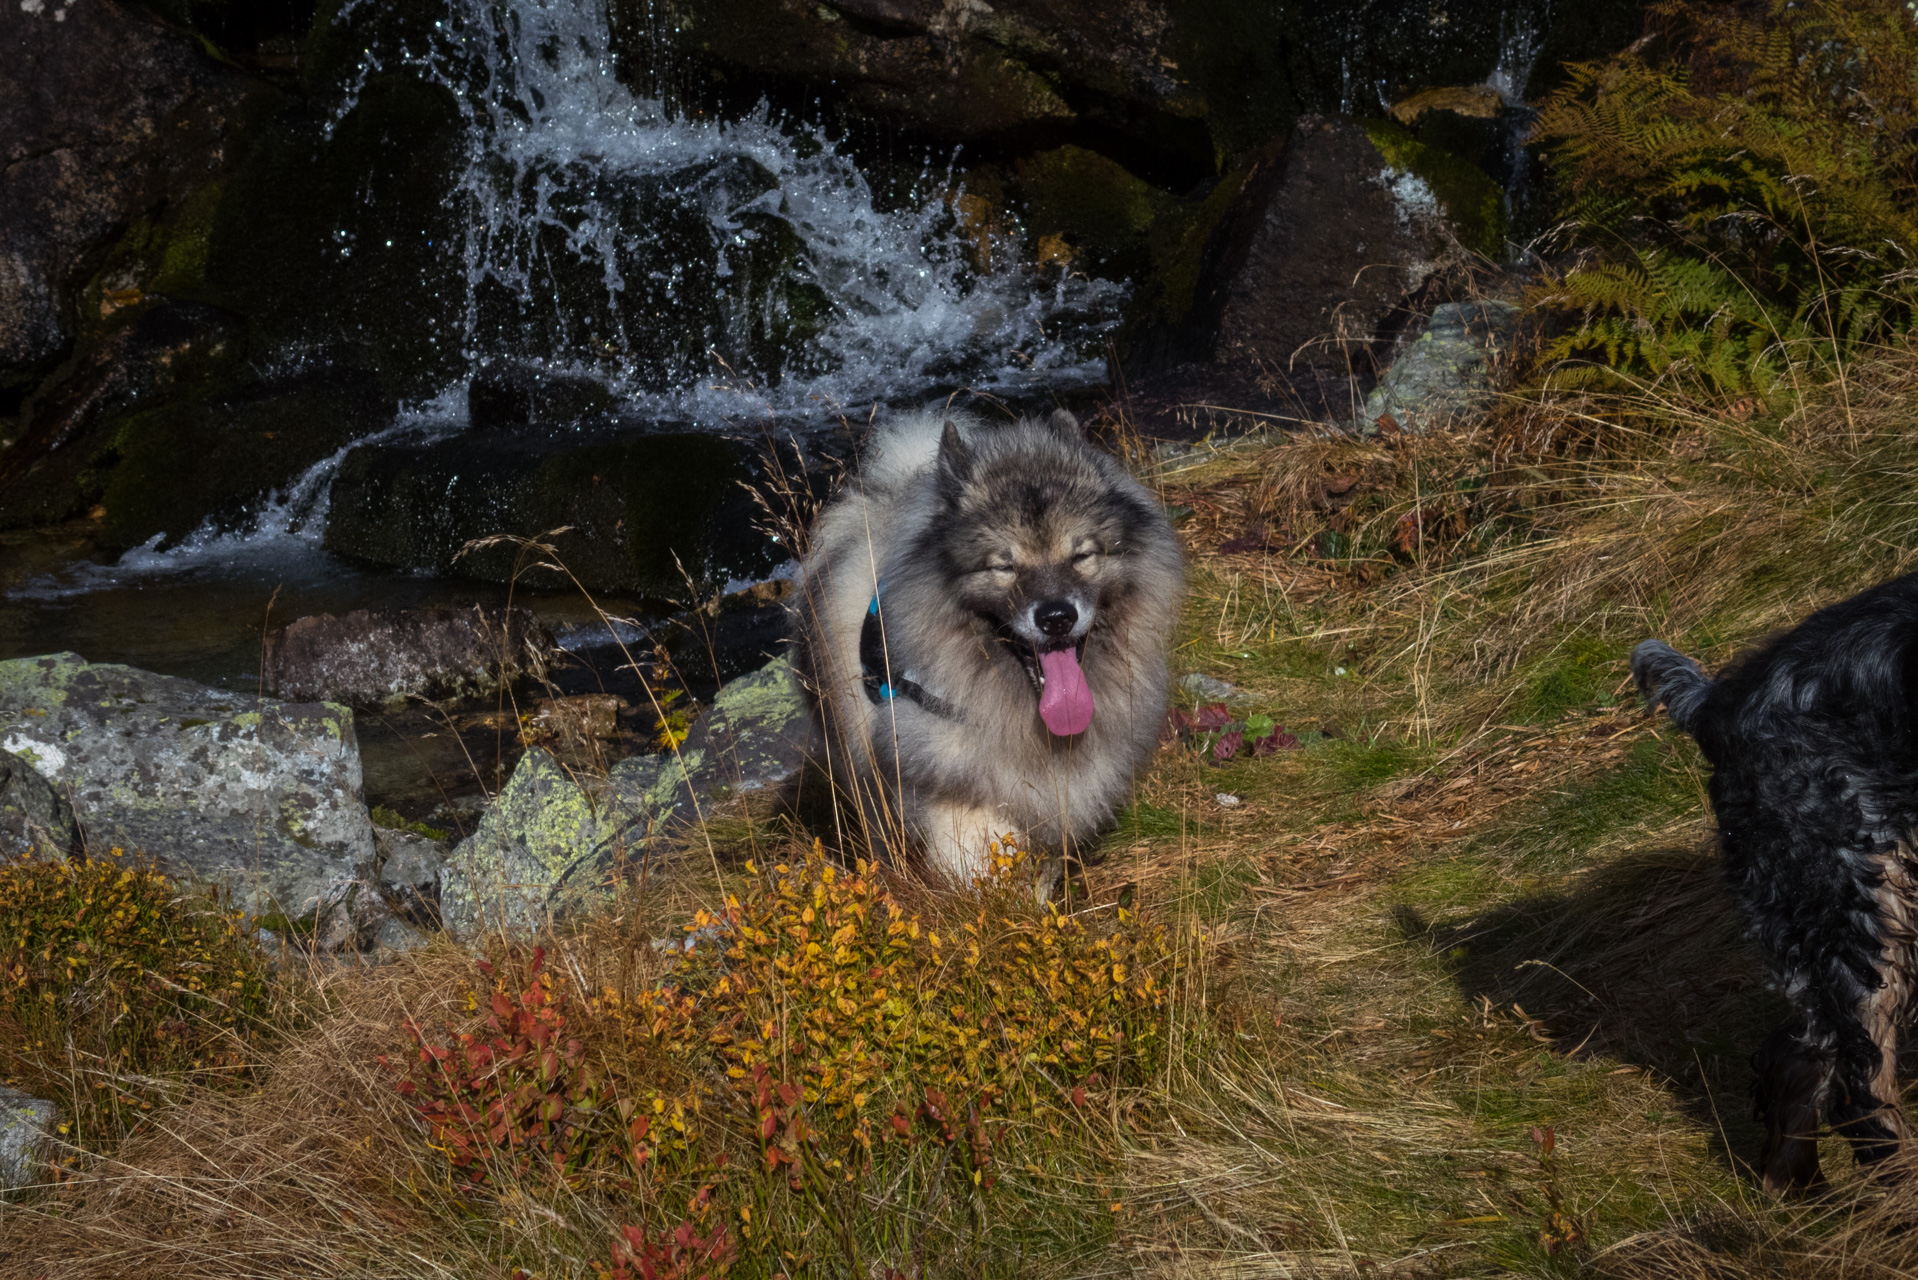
<point x="1065" y="704"/>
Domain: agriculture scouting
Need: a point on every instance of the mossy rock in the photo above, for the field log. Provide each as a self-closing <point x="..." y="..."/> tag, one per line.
<point x="210" y="456"/>
<point x="1473" y="204"/>
<point x="1094" y="201"/>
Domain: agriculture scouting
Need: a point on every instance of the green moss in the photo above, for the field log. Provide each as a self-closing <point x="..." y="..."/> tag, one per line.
<point x="392" y="821"/>
<point x="1176" y="246"/>
<point x="1579" y="674"/>
<point x="1095" y="202"/>
<point x="1473" y="203"/>
<point x="185" y="238"/>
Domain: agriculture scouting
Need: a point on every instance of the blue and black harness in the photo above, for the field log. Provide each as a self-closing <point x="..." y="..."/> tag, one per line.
<point x="882" y="685"/>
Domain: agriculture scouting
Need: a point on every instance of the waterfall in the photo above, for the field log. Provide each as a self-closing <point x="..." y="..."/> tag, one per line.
<point x="700" y="268"/>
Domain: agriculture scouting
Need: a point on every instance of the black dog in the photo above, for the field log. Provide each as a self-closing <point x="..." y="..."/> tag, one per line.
<point x="1813" y="741"/>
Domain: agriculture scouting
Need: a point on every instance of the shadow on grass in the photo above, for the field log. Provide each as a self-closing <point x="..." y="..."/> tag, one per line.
<point x="1643" y="960"/>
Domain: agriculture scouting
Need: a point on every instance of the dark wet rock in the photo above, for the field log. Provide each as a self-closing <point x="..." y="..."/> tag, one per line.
<point x="142" y="353"/>
<point x="510" y="395"/>
<point x="1448" y="373"/>
<point x="637" y="507"/>
<point x="953" y="71"/>
<point x="261" y="796"/>
<point x="376" y="658"/>
<point x="738" y="634"/>
<point x="104" y="114"/>
<point x="409" y="874"/>
<point x="26" y="1137"/>
<point x="1308" y="256"/>
<point x="34" y="816"/>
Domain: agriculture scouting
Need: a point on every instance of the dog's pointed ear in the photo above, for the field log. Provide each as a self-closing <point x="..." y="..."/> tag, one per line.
<point x="955" y="461"/>
<point x="1066" y="425"/>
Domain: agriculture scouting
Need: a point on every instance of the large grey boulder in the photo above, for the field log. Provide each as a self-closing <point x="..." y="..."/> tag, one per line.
<point x="26" y="1131"/>
<point x="375" y="658"/>
<point x="262" y="796"/>
<point x="1448" y="373"/>
<point x="34" y="816"/>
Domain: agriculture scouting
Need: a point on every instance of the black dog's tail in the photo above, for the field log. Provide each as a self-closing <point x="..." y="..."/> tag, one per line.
<point x="1668" y="676"/>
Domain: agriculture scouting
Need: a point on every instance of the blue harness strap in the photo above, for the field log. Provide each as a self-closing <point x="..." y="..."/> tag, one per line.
<point x="876" y="672"/>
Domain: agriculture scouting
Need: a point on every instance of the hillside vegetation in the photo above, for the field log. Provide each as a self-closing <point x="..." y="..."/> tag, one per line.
<point x="1411" y="958"/>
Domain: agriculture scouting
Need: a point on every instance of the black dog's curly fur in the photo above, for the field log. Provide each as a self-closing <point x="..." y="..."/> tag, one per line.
<point x="1813" y="740"/>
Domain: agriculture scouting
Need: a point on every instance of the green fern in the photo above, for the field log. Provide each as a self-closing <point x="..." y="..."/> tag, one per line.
<point x="1745" y="192"/>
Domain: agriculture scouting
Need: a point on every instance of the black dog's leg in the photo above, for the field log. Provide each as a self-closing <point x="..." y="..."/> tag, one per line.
<point x="1865" y="1106"/>
<point x="1833" y="903"/>
<point x="1793" y="1079"/>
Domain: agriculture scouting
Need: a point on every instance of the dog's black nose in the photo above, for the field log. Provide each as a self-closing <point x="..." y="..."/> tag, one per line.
<point x="1055" y="617"/>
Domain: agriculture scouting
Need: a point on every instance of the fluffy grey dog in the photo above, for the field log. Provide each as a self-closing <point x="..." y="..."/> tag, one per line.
<point x="982" y="628"/>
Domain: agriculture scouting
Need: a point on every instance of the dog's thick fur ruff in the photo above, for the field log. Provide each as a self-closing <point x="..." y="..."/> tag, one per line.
<point x="965" y="532"/>
<point x="1813" y="741"/>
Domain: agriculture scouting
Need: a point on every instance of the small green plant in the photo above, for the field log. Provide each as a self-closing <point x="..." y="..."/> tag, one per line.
<point x="117" y="987"/>
<point x="1214" y="731"/>
<point x="392" y="821"/>
<point x="1746" y="187"/>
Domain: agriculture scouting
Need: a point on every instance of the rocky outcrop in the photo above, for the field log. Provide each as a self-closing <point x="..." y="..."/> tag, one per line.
<point x="955" y="71"/>
<point x="1448" y="373"/>
<point x="550" y="842"/>
<point x="1325" y="237"/>
<point x="637" y="509"/>
<point x="409" y="875"/>
<point x="104" y="113"/>
<point x="261" y="796"/>
<point x="371" y="659"/>
<point x="26" y="1134"/>
<point x="34" y="816"/>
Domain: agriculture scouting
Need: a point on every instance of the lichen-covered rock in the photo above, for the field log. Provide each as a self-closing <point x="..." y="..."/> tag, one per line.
<point x="532" y="856"/>
<point x="647" y="796"/>
<point x="371" y="659"/>
<point x="546" y="845"/>
<point x="34" y="816"/>
<point x="262" y="796"/>
<point x="1447" y="373"/>
<point x="26" y="1130"/>
<point x="756" y="735"/>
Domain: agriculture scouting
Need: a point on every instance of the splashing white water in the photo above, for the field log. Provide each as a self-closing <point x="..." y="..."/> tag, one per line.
<point x="703" y="268"/>
<point x="284" y="533"/>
